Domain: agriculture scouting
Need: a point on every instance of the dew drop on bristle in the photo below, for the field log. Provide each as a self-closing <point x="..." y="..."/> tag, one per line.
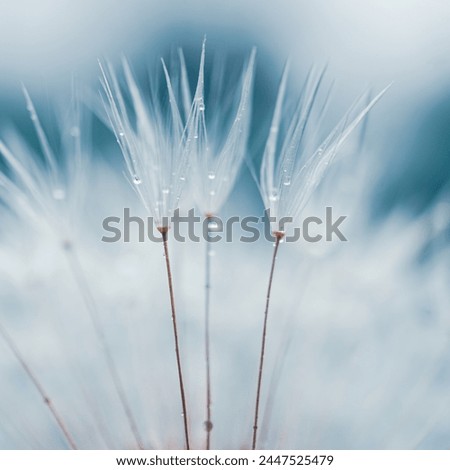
<point x="182" y="178"/>
<point x="287" y="181"/>
<point x="137" y="180"/>
<point x="211" y="175"/>
<point x="165" y="191"/>
<point x="212" y="225"/>
<point x="75" y="131"/>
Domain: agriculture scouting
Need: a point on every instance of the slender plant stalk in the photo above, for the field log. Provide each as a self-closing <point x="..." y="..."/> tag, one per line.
<point x="208" y="422"/>
<point x="278" y="238"/>
<point x="91" y="307"/>
<point x="14" y="349"/>
<point x="164" y="232"/>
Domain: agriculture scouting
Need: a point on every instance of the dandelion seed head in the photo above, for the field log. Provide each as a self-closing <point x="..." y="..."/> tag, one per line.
<point x="46" y="192"/>
<point x="293" y="163"/>
<point x="150" y="136"/>
<point x="216" y="144"/>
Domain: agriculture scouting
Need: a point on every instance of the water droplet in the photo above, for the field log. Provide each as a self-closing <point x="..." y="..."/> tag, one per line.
<point x="58" y="194"/>
<point x="212" y="225"/>
<point x="273" y="197"/>
<point x="211" y="175"/>
<point x="182" y="178"/>
<point x="182" y="415"/>
<point x="287" y="181"/>
<point x="195" y="136"/>
<point x="201" y="107"/>
<point x="137" y="180"/>
<point x="75" y="131"/>
<point x="121" y="134"/>
<point x="165" y="191"/>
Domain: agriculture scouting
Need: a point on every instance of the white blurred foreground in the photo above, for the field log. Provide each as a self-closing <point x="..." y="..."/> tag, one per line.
<point x="357" y="347"/>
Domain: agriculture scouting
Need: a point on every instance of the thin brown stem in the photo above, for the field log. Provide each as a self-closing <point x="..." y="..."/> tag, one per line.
<point x="164" y="233"/>
<point x="94" y="316"/>
<point x="208" y="422"/>
<point x="14" y="349"/>
<point x="278" y="238"/>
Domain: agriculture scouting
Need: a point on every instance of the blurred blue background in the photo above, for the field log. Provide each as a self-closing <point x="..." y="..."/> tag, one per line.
<point x="365" y="44"/>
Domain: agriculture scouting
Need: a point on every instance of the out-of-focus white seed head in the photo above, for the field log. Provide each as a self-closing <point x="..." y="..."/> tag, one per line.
<point x="39" y="187"/>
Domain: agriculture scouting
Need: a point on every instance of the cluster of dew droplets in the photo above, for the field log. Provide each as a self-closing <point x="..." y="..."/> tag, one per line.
<point x="32" y="111"/>
<point x="211" y="180"/>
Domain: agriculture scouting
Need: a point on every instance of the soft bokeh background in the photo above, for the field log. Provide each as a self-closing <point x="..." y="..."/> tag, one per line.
<point x="360" y="331"/>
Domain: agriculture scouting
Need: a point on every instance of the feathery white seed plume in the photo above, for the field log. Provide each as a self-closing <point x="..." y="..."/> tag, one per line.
<point x="151" y="138"/>
<point x="293" y="167"/>
<point x="217" y="131"/>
